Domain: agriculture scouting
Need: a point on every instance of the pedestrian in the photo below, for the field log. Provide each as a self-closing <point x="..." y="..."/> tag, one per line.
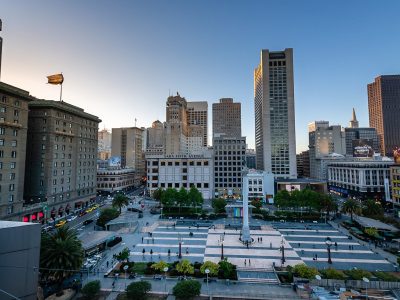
<point x="187" y="250"/>
<point x="249" y="262"/>
<point x="299" y="245"/>
<point x="152" y="240"/>
<point x="261" y="239"/>
<point x="107" y="263"/>
<point x="349" y="247"/>
<point x="169" y="252"/>
<point x="270" y="245"/>
<point x="142" y="240"/>
<point x="245" y="262"/>
<point x="258" y="240"/>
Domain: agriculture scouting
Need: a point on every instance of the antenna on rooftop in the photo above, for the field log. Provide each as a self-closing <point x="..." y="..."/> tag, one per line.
<point x="135" y="121"/>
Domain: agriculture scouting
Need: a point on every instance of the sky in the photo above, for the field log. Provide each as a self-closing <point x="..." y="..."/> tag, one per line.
<point x="122" y="59"/>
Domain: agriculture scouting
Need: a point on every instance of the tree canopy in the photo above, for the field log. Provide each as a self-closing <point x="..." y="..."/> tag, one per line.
<point x="351" y="206"/>
<point x="213" y="267"/>
<point x="185" y="267"/>
<point x="106" y="215"/>
<point x="120" y="200"/>
<point x="219" y="205"/>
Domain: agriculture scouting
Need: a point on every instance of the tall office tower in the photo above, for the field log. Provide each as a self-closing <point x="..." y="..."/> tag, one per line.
<point x="274" y="113"/>
<point x="227" y="118"/>
<point x="323" y="141"/>
<point x="384" y="111"/>
<point x="156" y="137"/>
<point x="13" y="134"/>
<point x="303" y="164"/>
<point x="176" y="128"/>
<point x="104" y="144"/>
<point x="353" y="122"/>
<point x="197" y="114"/>
<point x="127" y="143"/>
<point x="60" y="171"/>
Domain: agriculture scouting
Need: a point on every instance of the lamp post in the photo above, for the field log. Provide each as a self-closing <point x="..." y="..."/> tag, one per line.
<point x="318" y="277"/>
<point x="328" y="243"/>
<point x="165" y="275"/>
<point x="366" y="280"/>
<point x="222" y="247"/>
<point x="126" y="278"/>
<point x="283" y="250"/>
<point x="207" y="271"/>
<point x="180" y="246"/>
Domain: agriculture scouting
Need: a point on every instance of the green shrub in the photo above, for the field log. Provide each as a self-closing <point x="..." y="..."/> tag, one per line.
<point x="106" y="215"/>
<point x="357" y="274"/>
<point x="91" y="290"/>
<point x="333" y="274"/>
<point x="138" y="290"/>
<point x="227" y="270"/>
<point x="304" y="271"/>
<point x="130" y="265"/>
<point x="187" y="289"/>
<point x="384" y="276"/>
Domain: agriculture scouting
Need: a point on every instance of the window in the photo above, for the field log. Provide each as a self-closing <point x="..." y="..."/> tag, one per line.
<point x="12" y="165"/>
<point x="11" y="187"/>
<point x="43" y="147"/>
<point x="2" y="130"/>
<point x="15" y="132"/>
<point x="12" y="176"/>
<point x="1" y="153"/>
<point x="13" y="143"/>
<point x="13" y="154"/>
<point x="1" y="142"/>
<point x="3" y="109"/>
<point x="1" y="165"/>
<point x="16" y="113"/>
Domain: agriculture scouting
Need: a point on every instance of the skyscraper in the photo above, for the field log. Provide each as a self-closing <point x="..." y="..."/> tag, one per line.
<point x="384" y="111"/>
<point x="274" y="113"/>
<point x="227" y="118"/>
<point x="197" y="115"/>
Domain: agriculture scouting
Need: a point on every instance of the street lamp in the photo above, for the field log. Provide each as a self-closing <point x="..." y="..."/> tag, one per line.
<point x="180" y="246"/>
<point x="207" y="271"/>
<point x="283" y="250"/>
<point x="126" y="269"/>
<point x="366" y="280"/>
<point x="318" y="277"/>
<point x="165" y="275"/>
<point x="222" y="247"/>
<point x="328" y="243"/>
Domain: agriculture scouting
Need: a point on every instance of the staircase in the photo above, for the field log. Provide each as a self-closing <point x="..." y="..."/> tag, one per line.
<point x="257" y="275"/>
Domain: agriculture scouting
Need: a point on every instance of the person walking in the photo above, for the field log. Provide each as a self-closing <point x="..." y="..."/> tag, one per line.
<point x="245" y="262"/>
<point x="249" y="262"/>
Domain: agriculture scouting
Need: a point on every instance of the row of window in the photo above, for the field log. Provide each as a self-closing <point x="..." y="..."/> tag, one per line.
<point x="4" y="99"/>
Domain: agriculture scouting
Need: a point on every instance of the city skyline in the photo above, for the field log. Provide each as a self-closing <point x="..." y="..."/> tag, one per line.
<point x="116" y="59"/>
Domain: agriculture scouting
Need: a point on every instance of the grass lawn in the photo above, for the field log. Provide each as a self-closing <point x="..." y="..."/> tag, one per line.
<point x="139" y="267"/>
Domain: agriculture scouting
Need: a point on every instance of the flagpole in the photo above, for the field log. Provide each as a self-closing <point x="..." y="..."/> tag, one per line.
<point x="61" y="93"/>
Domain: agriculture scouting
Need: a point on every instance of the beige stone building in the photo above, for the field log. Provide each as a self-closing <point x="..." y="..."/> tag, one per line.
<point x="127" y="143"/>
<point x="197" y="113"/>
<point x="110" y="180"/>
<point x="104" y="144"/>
<point x="13" y="134"/>
<point x="60" y="174"/>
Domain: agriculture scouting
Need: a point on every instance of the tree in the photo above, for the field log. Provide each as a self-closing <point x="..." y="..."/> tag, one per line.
<point x="123" y="255"/>
<point x="226" y="269"/>
<point x="157" y="194"/>
<point x="328" y="204"/>
<point x="61" y="254"/>
<point x="182" y="197"/>
<point x="351" y="206"/>
<point x="187" y="289"/>
<point x="213" y="267"/>
<point x="256" y="203"/>
<point x="185" y="267"/>
<point x="282" y="198"/>
<point x="219" y="205"/>
<point x="195" y="198"/>
<point x="138" y="290"/>
<point x="91" y="290"/>
<point x="372" y="208"/>
<point x="371" y="231"/>
<point x="168" y="197"/>
<point x="159" y="266"/>
<point x="333" y="274"/>
<point x="357" y="274"/>
<point x="106" y="215"/>
<point x="304" y="271"/>
<point x="120" y="200"/>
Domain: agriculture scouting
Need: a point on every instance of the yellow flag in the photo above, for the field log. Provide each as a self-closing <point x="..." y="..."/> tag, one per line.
<point x="55" y="79"/>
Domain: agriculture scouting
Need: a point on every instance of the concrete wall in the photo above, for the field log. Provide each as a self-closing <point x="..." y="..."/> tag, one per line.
<point x="19" y="259"/>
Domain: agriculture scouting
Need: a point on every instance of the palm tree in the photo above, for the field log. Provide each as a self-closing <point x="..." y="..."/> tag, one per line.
<point x="351" y="206"/>
<point x="120" y="200"/>
<point x="61" y="254"/>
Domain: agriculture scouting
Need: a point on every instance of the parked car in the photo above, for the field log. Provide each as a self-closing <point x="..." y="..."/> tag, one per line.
<point x="86" y="222"/>
<point x="61" y="223"/>
<point x="71" y="218"/>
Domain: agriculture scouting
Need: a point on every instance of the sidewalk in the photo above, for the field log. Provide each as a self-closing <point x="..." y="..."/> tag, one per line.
<point x="388" y="256"/>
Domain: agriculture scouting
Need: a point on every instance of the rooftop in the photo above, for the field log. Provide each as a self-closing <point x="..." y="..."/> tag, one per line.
<point x="10" y="224"/>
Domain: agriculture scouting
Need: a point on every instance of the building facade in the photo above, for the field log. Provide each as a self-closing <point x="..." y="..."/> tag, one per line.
<point x="177" y="171"/>
<point x="324" y="140"/>
<point x="111" y="180"/>
<point x="197" y="114"/>
<point x="361" y="137"/>
<point x="104" y="144"/>
<point x="362" y="179"/>
<point x="303" y="164"/>
<point x="229" y="161"/>
<point x="227" y="120"/>
<point x="60" y="174"/>
<point x="261" y="185"/>
<point x="250" y="158"/>
<point x="274" y="113"/>
<point x="395" y="183"/>
<point x="384" y="111"/>
<point x="13" y="141"/>
<point x="127" y="143"/>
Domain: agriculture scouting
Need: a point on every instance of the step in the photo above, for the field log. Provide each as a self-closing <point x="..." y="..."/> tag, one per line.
<point x="259" y="280"/>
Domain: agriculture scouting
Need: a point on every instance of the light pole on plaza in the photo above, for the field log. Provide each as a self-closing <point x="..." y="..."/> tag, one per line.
<point x="283" y="250"/>
<point x="207" y="271"/>
<point x="126" y="269"/>
<point x="366" y="280"/>
<point x="222" y="247"/>
<point x="328" y="243"/>
<point x="165" y="275"/>
<point x="180" y="246"/>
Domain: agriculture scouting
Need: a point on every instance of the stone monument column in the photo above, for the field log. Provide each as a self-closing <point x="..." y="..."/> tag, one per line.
<point x="245" y="200"/>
